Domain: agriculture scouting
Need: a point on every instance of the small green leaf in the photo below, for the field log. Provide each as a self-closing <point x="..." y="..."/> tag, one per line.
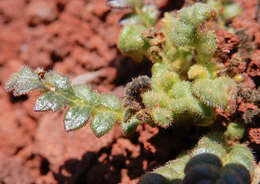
<point x="102" y="123"/>
<point x="196" y="14"/>
<point x="220" y="92"/>
<point x="60" y="83"/>
<point x="76" y="117"/>
<point x="164" y="80"/>
<point x="181" y="35"/>
<point x="162" y="116"/>
<point x="231" y="10"/>
<point x="110" y="102"/>
<point x="130" y="126"/>
<point x="131" y="43"/>
<point x="85" y="93"/>
<point x="159" y="68"/>
<point x="49" y="101"/>
<point x="152" y="99"/>
<point x="150" y="14"/>
<point x="207" y="43"/>
<point x="235" y="131"/>
<point x="181" y="90"/>
<point x="23" y="82"/>
<point x="198" y="71"/>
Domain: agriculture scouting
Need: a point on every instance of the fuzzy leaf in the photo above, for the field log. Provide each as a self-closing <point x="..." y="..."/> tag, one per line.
<point x="207" y="43"/>
<point x="85" y="93"/>
<point x="150" y="14"/>
<point x="220" y="92"/>
<point x="60" y="83"/>
<point x="130" y="126"/>
<point x="164" y="80"/>
<point x="131" y="43"/>
<point x="102" y="123"/>
<point x="23" y="82"/>
<point x="190" y="109"/>
<point x="110" y="102"/>
<point x="49" y="101"/>
<point x="198" y="71"/>
<point x="235" y="131"/>
<point x="181" y="35"/>
<point x="162" y="116"/>
<point x="213" y="144"/>
<point x="181" y="89"/>
<point x="196" y="14"/>
<point x="76" y="117"/>
<point x="152" y="99"/>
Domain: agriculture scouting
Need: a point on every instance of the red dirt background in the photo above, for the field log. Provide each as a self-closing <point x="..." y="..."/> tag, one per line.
<point x="75" y="37"/>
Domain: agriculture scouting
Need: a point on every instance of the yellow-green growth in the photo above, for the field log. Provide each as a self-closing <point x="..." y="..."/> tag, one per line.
<point x="235" y="131"/>
<point x="188" y="30"/>
<point x="198" y="71"/>
<point x="220" y="92"/>
<point x="131" y="43"/>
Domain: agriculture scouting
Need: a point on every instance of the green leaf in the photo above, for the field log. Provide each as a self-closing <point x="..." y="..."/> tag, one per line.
<point x="207" y="43"/>
<point x="164" y="80"/>
<point x="153" y="99"/>
<point x="162" y="116"/>
<point x="181" y="90"/>
<point x="220" y="92"/>
<point x="131" y="43"/>
<point x="196" y="14"/>
<point x="85" y="93"/>
<point x="130" y="126"/>
<point x="60" y="83"/>
<point x="181" y="34"/>
<point x="49" y="101"/>
<point x="198" y="71"/>
<point x="231" y="10"/>
<point x="150" y="14"/>
<point x="110" y="102"/>
<point x="102" y="123"/>
<point x="23" y="82"/>
<point x="76" y="117"/>
<point x="235" y="131"/>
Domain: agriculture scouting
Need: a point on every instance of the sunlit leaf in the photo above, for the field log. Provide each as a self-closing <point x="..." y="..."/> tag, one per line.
<point x="76" y="117"/>
<point x="130" y="126"/>
<point x="23" y="82"/>
<point x="110" y="102"/>
<point x="102" y="123"/>
<point x="49" y="101"/>
<point x="86" y="94"/>
<point x="220" y="92"/>
<point x="60" y="83"/>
